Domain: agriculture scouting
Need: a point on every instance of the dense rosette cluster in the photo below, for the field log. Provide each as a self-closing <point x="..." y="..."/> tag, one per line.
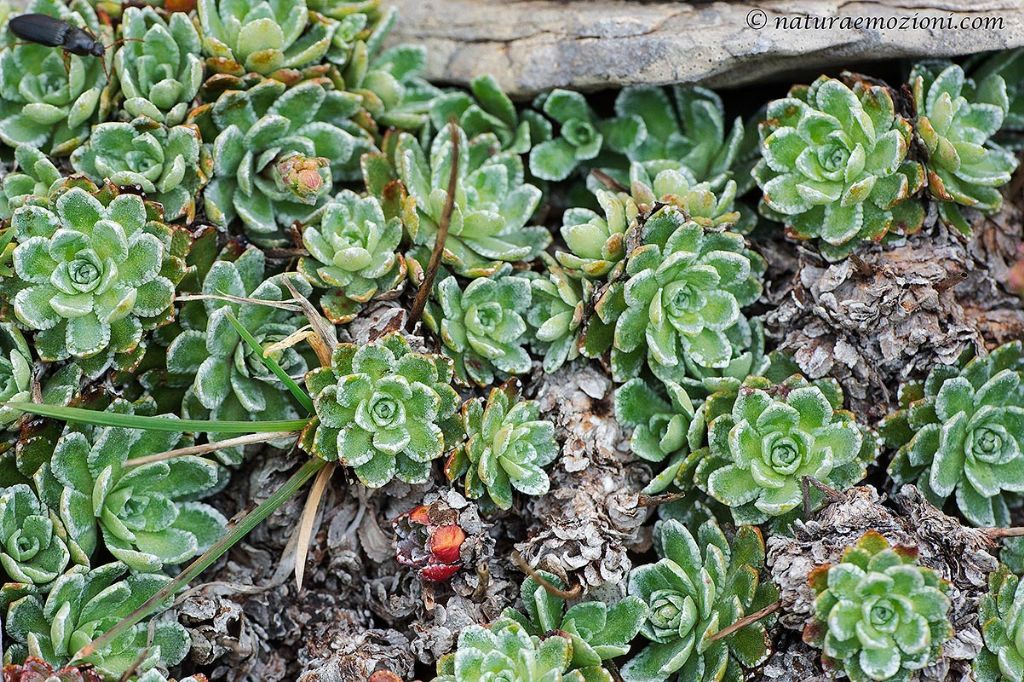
<point x="689" y="128"/>
<point x="835" y="165"/>
<point x="169" y="164"/>
<point x="775" y="436"/>
<point x="960" y="434"/>
<point x="878" y="614"/>
<point x="1001" y="615"/>
<point x="491" y="208"/>
<point x="159" y="66"/>
<point x="383" y="410"/>
<point x="598" y="631"/>
<point x="92" y="274"/>
<point x="231" y="381"/>
<point x="32" y="549"/>
<point x="44" y="103"/>
<point x="275" y="150"/>
<point x="581" y="135"/>
<point x="698" y="587"/>
<point x="483" y="327"/>
<point x="505" y="652"/>
<point x="507" y="447"/>
<point x="597" y="241"/>
<point x="487" y="110"/>
<point x="556" y="314"/>
<point x="32" y="181"/>
<point x="146" y="513"/>
<point x="262" y="35"/>
<point x="684" y="288"/>
<point x="956" y="119"/>
<point x="353" y="253"/>
<point x="82" y="605"/>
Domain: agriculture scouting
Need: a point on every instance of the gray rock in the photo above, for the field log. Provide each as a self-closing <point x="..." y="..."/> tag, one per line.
<point x="534" y="45"/>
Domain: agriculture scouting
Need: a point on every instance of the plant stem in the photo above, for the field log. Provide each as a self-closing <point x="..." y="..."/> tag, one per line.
<point x="242" y="528"/>
<point x="420" y="301"/>
<point x="997" y="533"/>
<point x="134" y="421"/>
<point x="554" y="590"/>
<point x="251" y="439"/>
<point x="745" y="621"/>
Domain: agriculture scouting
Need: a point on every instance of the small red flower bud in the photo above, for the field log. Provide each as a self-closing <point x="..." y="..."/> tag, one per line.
<point x="445" y="543"/>
<point x="438" y="573"/>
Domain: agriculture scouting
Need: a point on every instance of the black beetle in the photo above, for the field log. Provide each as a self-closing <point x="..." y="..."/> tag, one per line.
<point x="46" y="30"/>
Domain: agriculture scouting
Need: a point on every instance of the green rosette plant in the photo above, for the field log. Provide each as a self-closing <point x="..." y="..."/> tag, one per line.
<point x="684" y="287"/>
<point x="145" y="512"/>
<point x="506" y="651"/>
<point x="33" y="181"/>
<point x="483" y="327"/>
<point x="746" y="338"/>
<point x="486" y="109"/>
<point x="32" y="549"/>
<point x="93" y="274"/>
<point x="597" y="241"/>
<point x="391" y="91"/>
<point x="171" y="165"/>
<point x="231" y="380"/>
<point x="691" y="595"/>
<point x="665" y="423"/>
<point x="353" y="253"/>
<point x="956" y="119"/>
<point x="262" y="35"/>
<point x="507" y="447"/>
<point x="774" y="436"/>
<point x="491" y="208"/>
<point x="835" y="165"/>
<point x="879" y="614"/>
<point x="159" y="67"/>
<point x="673" y="184"/>
<point x="1008" y="65"/>
<point x="689" y="127"/>
<point x="1000" y="614"/>
<point x="383" y="410"/>
<point x="82" y="605"/>
<point x="556" y="314"/>
<point x="44" y="103"/>
<point x="960" y="434"/>
<point x="599" y="631"/>
<point x="581" y="135"/>
<point x="275" y="150"/>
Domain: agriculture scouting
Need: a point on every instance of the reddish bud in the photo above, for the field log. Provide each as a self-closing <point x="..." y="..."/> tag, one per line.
<point x="420" y="515"/>
<point x="438" y="573"/>
<point x="445" y="543"/>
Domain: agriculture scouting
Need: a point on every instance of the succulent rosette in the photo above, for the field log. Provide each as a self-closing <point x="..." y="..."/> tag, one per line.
<point x="774" y="436"/>
<point x="597" y="241"/>
<point x="33" y="180"/>
<point x="486" y="109"/>
<point x="32" y="550"/>
<point x="507" y="447"/>
<point x="262" y="35"/>
<point x="93" y="273"/>
<point x="505" y="651"/>
<point x="684" y="287"/>
<point x="44" y="103"/>
<point x="383" y="410"/>
<point x="556" y="314"/>
<point x="82" y="605"/>
<point x="353" y="253"/>
<point x="835" y="165"/>
<point x="956" y="119"/>
<point x="159" y="66"/>
<point x="698" y="587"/>
<point x="878" y="614"/>
<point x="171" y="165"/>
<point x="960" y="435"/>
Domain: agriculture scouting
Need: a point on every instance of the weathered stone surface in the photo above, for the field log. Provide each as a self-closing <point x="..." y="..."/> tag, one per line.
<point x="535" y="45"/>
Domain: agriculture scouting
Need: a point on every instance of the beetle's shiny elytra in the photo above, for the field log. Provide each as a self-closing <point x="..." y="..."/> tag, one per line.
<point x="46" y="30"/>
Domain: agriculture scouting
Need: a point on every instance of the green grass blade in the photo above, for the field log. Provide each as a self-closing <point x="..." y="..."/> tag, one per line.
<point x="233" y="536"/>
<point x="271" y="364"/>
<point x="134" y="421"/>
